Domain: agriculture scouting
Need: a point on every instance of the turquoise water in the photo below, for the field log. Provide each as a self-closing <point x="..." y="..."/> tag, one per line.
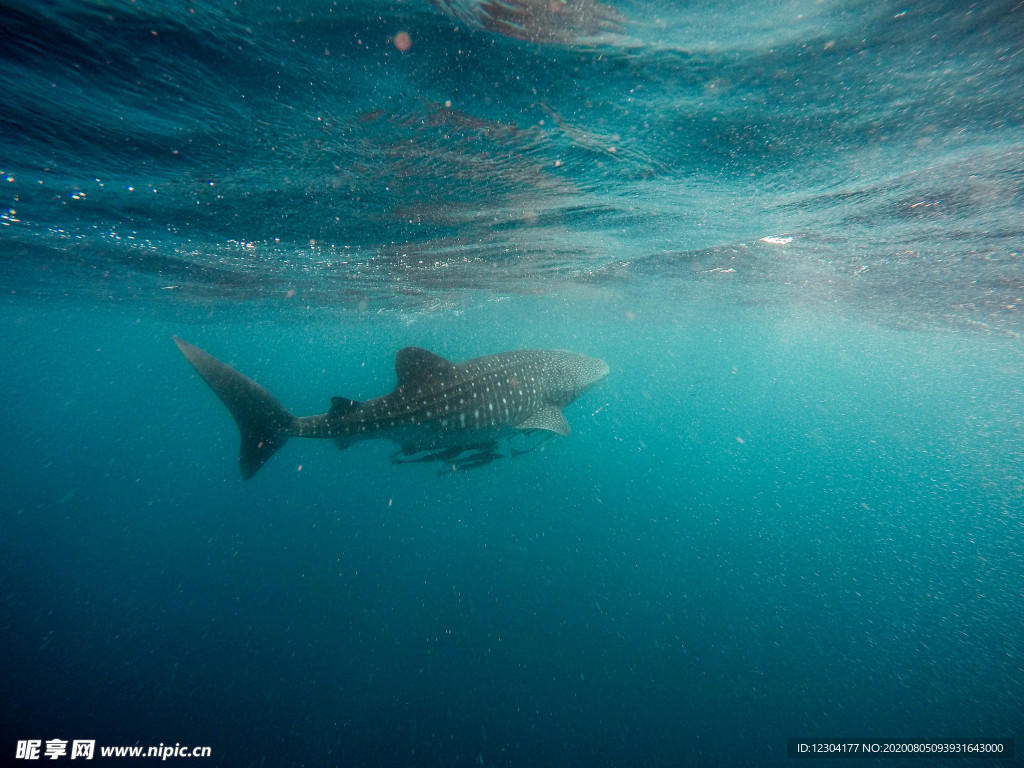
<point x="794" y="508"/>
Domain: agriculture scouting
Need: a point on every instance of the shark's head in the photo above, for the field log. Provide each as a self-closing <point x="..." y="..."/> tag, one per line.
<point x="569" y="375"/>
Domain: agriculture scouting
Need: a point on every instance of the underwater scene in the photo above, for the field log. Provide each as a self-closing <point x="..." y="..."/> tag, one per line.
<point x="512" y="382"/>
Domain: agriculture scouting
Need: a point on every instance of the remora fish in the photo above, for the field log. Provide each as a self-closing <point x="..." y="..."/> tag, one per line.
<point x="437" y="404"/>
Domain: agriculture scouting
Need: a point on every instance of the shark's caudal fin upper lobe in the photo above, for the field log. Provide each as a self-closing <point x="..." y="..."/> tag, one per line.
<point x="263" y="422"/>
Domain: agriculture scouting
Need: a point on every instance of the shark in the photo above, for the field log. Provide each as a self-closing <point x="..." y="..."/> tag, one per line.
<point x="439" y="410"/>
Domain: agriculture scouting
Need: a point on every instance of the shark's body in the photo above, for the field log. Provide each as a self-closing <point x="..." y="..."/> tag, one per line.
<point x="449" y="408"/>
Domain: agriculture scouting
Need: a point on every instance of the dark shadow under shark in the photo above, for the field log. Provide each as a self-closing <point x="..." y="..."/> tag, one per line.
<point x="454" y="413"/>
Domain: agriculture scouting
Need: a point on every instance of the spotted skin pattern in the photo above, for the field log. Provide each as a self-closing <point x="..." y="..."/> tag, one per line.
<point x="487" y="393"/>
<point x="436" y="403"/>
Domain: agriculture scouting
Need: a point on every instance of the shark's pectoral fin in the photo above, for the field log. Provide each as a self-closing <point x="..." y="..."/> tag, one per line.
<point x="549" y="417"/>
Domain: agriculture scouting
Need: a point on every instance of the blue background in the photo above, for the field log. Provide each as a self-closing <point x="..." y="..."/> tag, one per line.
<point x="795" y="507"/>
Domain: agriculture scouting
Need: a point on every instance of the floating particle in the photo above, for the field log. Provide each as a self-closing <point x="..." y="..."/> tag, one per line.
<point x="402" y="41"/>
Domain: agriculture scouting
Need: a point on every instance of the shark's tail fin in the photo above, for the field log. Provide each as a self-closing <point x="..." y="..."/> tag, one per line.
<point x="264" y="423"/>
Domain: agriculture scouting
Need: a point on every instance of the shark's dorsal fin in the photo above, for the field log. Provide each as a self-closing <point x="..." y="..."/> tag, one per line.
<point x="416" y="367"/>
<point x="548" y="417"/>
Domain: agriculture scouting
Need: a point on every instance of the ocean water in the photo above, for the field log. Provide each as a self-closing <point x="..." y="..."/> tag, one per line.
<point x="794" y="509"/>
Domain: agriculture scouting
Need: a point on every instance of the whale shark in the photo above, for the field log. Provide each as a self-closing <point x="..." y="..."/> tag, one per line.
<point x="454" y="413"/>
